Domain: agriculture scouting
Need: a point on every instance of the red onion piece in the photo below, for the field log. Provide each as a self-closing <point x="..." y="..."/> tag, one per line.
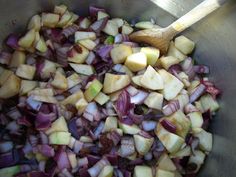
<point x="168" y="126"/>
<point x="139" y="97"/>
<point x="201" y="69"/>
<point x="46" y="150"/>
<point x="104" y="52"/>
<point x="61" y="54"/>
<point x="6" y="146"/>
<point x="12" y="41"/>
<point x="197" y="93"/>
<point x="14" y="113"/>
<point x="123" y="104"/>
<point x="33" y="104"/>
<point x="5" y="58"/>
<point x="114" y="136"/>
<point x="43" y="121"/>
<point x="119" y="38"/>
<point x="96" y="169"/>
<point x="93" y="11"/>
<point x="66" y="173"/>
<point x="127" y="147"/>
<point x="113" y="159"/>
<point x="187" y="67"/>
<point x="190" y="108"/>
<point x="73" y="128"/>
<point x="62" y="160"/>
<point x="171" y="107"/>
<point x="91" y="112"/>
<point x="83" y="162"/>
<point x="37" y="174"/>
<point x="99" y="129"/>
<point x="70" y="30"/>
<point x="132" y="91"/>
<point x="175" y="69"/>
<point x="43" y="137"/>
<point x="149" y="125"/>
<point x="99" y="25"/>
<point x="91" y="58"/>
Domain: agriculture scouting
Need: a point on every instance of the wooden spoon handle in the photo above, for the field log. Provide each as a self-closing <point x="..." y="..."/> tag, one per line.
<point x="196" y="14"/>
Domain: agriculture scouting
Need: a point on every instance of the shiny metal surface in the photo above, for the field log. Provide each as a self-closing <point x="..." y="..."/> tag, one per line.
<point x="216" y="46"/>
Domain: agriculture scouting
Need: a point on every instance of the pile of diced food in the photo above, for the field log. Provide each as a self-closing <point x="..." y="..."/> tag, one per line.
<point x="78" y="98"/>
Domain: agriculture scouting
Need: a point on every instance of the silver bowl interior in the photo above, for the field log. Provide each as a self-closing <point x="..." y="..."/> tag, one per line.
<point x="215" y="37"/>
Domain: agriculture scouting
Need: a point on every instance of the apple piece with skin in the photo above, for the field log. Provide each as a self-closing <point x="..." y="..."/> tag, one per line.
<point x="26" y="71"/>
<point x="172" y="142"/>
<point x="72" y="159"/>
<point x="18" y="58"/>
<point x="101" y="15"/>
<point x="101" y="98"/>
<point x="59" y="138"/>
<point x="5" y="74"/>
<point x="209" y="103"/>
<point x="129" y="129"/>
<point x="154" y="100"/>
<point x="10" y="171"/>
<point x="48" y="69"/>
<point x="172" y="85"/>
<point x="173" y="51"/>
<point x="41" y="45"/>
<point x="27" y="86"/>
<point x="78" y="54"/>
<point x="120" y="52"/>
<point x="73" y="80"/>
<point x="88" y="43"/>
<point x="60" y="9"/>
<point x="74" y="17"/>
<point x="142" y="144"/>
<point x="136" y="80"/>
<point x="59" y="125"/>
<point x="81" y="35"/>
<point x="114" y="82"/>
<point x="111" y="123"/>
<point x="11" y="87"/>
<point x="107" y="171"/>
<point x="136" y="62"/>
<point x="151" y="79"/>
<point x="81" y="105"/>
<point x="86" y="139"/>
<point x="118" y="21"/>
<point x="196" y="119"/>
<point x="60" y="81"/>
<point x="141" y="171"/>
<point x="168" y="61"/>
<point x="111" y="28"/>
<point x="72" y="99"/>
<point x="164" y="173"/>
<point x="93" y="90"/>
<point x="50" y="20"/>
<point x="35" y="23"/>
<point x="87" y="70"/>
<point x="85" y="23"/>
<point x="165" y="163"/>
<point x="126" y="29"/>
<point x="205" y="140"/>
<point x="182" y="153"/>
<point x="181" y="122"/>
<point x="27" y="40"/>
<point x="152" y="54"/>
<point x="65" y="18"/>
<point x="184" y="44"/>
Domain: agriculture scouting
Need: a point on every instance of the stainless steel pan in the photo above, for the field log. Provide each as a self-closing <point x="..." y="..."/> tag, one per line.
<point x="216" y="46"/>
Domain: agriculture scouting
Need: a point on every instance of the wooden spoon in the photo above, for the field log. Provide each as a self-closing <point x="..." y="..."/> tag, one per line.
<point x="161" y="37"/>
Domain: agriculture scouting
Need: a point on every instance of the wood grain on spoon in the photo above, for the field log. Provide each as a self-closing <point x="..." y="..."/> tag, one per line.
<point x="161" y="37"/>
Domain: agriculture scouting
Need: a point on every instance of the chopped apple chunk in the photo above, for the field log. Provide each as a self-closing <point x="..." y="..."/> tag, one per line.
<point x="184" y="44"/>
<point x="141" y="171"/>
<point x="120" y="53"/>
<point x="27" y="40"/>
<point x="136" y="62"/>
<point x="113" y="82"/>
<point x="154" y="100"/>
<point x="152" y="54"/>
<point x="50" y="20"/>
<point x="151" y="79"/>
<point x="93" y="90"/>
<point x="26" y="71"/>
<point x="60" y="81"/>
<point x="142" y="144"/>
